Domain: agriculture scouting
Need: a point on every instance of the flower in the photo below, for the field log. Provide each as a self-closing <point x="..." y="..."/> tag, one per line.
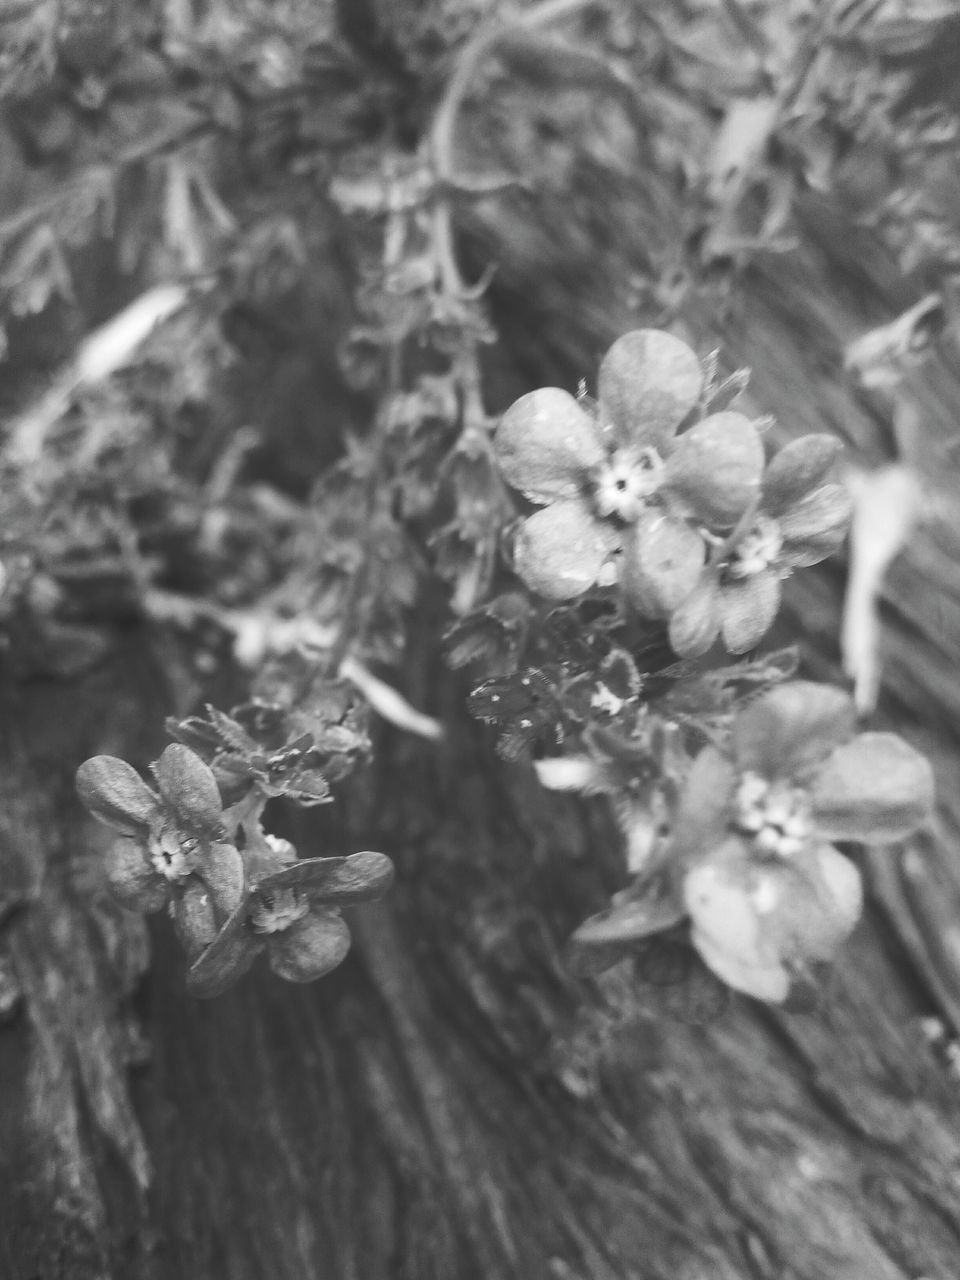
<point x="767" y="893"/>
<point x="802" y="518"/>
<point x="617" y="481"/>
<point x="172" y="847"/>
<point x="291" y="913"/>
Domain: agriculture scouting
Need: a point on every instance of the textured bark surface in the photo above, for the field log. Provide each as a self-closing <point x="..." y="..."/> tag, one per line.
<point x="451" y="1103"/>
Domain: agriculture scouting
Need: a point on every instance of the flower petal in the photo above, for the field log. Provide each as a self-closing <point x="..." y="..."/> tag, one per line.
<point x="798" y="469"/>
<point x="807" y="906"/>
<point x="546" y="445"/>
<point x="715" y="469"/>
<point x="195" y="918"/>
<point x="789" y="730"/>
<point x="358" y="878"/>
<point x="663" y="564"/>
<point x="221" y="868"/>
<point x="695" y="624"/>
<point x="310" y="948"/>
<point x="115" y="794"/>
<point x="132" y="880"/>
<point x="727" y="932"/>
<point x="705" y="806"/>
<point x="561" y="549"/>
<point x="189" y="789"/>
<point x="748" y="607"/>
<point x="226" y="959"/>
<point x="649" y="381"/>
<point x="800" y="553"/>
<point x="825" y="512"/>
<point x="753" y="917"/>
<point x="841" y="894"/>
<point x="876" y="787"/>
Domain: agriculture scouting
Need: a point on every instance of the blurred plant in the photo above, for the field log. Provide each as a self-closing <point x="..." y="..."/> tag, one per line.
<point x="587" y="622"/>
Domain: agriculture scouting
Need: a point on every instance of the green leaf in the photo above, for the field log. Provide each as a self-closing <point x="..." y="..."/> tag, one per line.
<point x="631" y="918"/>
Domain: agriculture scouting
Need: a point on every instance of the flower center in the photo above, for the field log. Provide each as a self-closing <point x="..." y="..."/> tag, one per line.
<point x="277" y="909"/>
<point x="173" y="855"/>
<point x="775" y="815"/>
<point x="756" y="550"/>
<point x="624" y="481"/>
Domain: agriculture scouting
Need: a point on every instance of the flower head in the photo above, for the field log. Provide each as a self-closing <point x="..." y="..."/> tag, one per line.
<point x="766" y="891"/>
<point x="620" y="482"/>
<point x="292" y="913"/>
<point x="802" y="518"/>
<point x="173" y="847"/>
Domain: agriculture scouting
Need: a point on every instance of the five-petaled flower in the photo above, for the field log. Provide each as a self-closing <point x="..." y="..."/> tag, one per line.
<point x="767" y="893"/>
<point x="172" y="847"/>
<point x="292" y="913"/>
<point x="620" y="481"/>
<point x="802" y="518"/>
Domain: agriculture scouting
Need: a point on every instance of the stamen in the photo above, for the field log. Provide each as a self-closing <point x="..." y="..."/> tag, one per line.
<point x="625" y="481"/>
<point x="756" y="550"/>
<point x="775" y="815"/>
<point x="276" y="910"/>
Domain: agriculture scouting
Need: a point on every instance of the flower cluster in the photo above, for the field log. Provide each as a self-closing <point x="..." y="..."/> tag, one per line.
<point x="741" y="859"/>
<point x="232" y="890"/>
<point x="768" y="894"/>
<point x="690" y="526"/>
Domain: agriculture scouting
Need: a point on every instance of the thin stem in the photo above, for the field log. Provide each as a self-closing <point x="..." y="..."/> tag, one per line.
<point x="352" y="623"/>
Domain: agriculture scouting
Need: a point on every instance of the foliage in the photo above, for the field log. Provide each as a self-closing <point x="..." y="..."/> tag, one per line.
<point x="595" y="562"/>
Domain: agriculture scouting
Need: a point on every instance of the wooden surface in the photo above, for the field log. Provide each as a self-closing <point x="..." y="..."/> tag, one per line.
<point x="451" y="1103"/>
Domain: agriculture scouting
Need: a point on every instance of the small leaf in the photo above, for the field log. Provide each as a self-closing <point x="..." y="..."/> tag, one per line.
<point x="529" y="694"/>
<point x="115" y="794"/>
<point x="230" y="732"/>
<point x="631" y="919"/>
<point x="357" y="878"/>
<point x="587" y="960"/>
